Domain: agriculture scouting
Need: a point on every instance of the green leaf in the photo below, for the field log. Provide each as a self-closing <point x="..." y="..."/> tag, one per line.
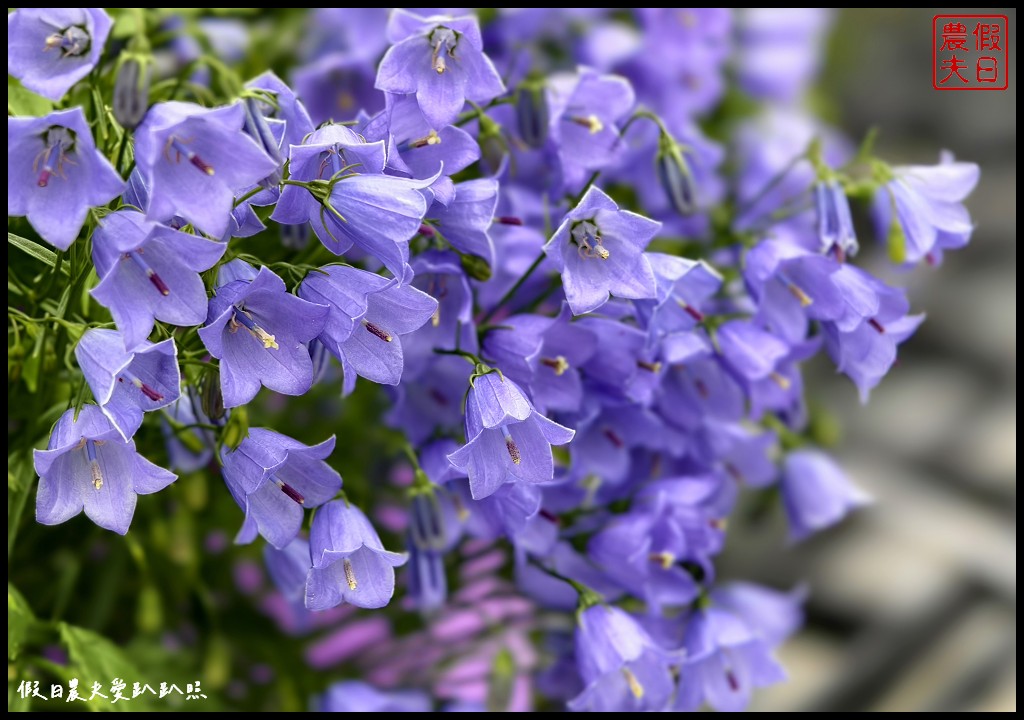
<point x="19" y="620"/>
<point x="96" y="659"/>
<point x="30" y="247"/>
<point x="21" y="101"/>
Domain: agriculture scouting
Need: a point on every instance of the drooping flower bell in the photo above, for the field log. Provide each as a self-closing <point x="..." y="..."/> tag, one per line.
<point x="441" y="61"/>
<point x="274" y="479"/>
<point x="88" y="465"/>
<point x="55" y="174"/>
<point x="150" y="272"/>
<point x="599" y="250"/>
<point x="368" y="316"/>
<point x="258" y="331"/>
<point x="622" y="668"/>
<point x="194" y="160"/>
<point x="350" y="563"/>
<point x="128" y="384"/>
<point x="50" y="49"/>
<point x="507" y="440"/>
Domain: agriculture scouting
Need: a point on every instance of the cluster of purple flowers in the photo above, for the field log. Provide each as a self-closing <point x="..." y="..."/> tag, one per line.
<point x="566" y="378"/>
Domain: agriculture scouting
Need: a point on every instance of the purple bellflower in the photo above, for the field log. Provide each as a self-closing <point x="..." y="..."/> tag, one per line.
<point x="584" y="109"/>
<point x="274" y="478"/>
<point x="419" y="147"/>
<point x="150" y="272"/>
<point x="775" y="615"/>
<point x="55" y="174"/>
<point x="545" y="355"/>
<point x="598" y="248"/>
<point x="378" y="213"/>
<point x="367" y="317"/>
<point x="349" y="562"/>
<point x="725" y="660"/>
<point x="257" y="330"/>
<point x="507" y="439"/>
<point x="128" y="384"/>
<point x="921" y="209"/>
<point x="816" y="493"/>
<point x="50" y="49"/>
<point x="642" y="552"/>
<point x="195" y="159"/>
<point x="87" y="465"/>
<point x="683" y="289"/>
<point x="441" y="60"/>
<point x="464" y="222"/>
<point x="622" y="668"/>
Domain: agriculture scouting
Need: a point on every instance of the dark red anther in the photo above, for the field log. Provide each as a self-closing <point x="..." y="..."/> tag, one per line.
<point x="877" y="326"/>
<point x="613" y="438"/>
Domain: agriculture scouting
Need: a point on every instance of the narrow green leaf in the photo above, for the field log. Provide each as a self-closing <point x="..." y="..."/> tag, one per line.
<point x="33" y="248"/>
<point x="19" y="620"/>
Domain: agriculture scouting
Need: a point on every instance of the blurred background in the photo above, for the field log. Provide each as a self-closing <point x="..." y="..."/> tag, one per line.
<point x="913" y="600"/>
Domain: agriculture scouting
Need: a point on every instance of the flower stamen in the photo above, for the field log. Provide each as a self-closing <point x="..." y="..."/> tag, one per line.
<point x="181" y="150"/>
<point x="94" y="464"/>
<point x="136" y="257"/>
<point x="243" y="319"/>
<point x="377" y="331"/>
<point x="350" y="574"/>
<point x="558" y="363"/>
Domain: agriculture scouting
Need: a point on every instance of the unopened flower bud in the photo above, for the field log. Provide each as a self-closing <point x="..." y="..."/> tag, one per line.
<point x="131" y="92"/>
<point x="532" y="115"/>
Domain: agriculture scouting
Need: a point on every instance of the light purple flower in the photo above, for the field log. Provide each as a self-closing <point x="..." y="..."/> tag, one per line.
<point x="835" y="225"/>
<point x="50" y="49"/>
<point x="507" y="439"/>
<point x="150" y="272"/>
<point x="87" y="465"/>
<point x="929" y="210"/>
<point x="378" y="213"/>
<point x="349" y="562"/>
<point x="816" y="493"/>
<point x="623" y="670"/>
<point x="55" y="174"/>
<point x="194" y="160"/>
<point x="257" y="330"/>
<point x="598" y="248"/>
<point x="725" y="660"/>
<point x="128" y="384"/>
<point x="585" y="109"/>
<point x="367" y="317"/>
<point x="274" y="478"/>
<point x="441" y="60"/>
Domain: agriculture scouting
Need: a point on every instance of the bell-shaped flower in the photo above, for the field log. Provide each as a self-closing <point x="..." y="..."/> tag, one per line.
<point x="55" y="173"/>
<point x="150" y="272"/>
<point x="441" y="61"/>
<point x="50" y="49"/>
<point x="87" y="465"/>
<point x="350" y="563"/>
<point x="128" y="384"/>
<point x="257" y="329"/>
<point x="598" y="248"/>
<point x="274" y="478"/>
